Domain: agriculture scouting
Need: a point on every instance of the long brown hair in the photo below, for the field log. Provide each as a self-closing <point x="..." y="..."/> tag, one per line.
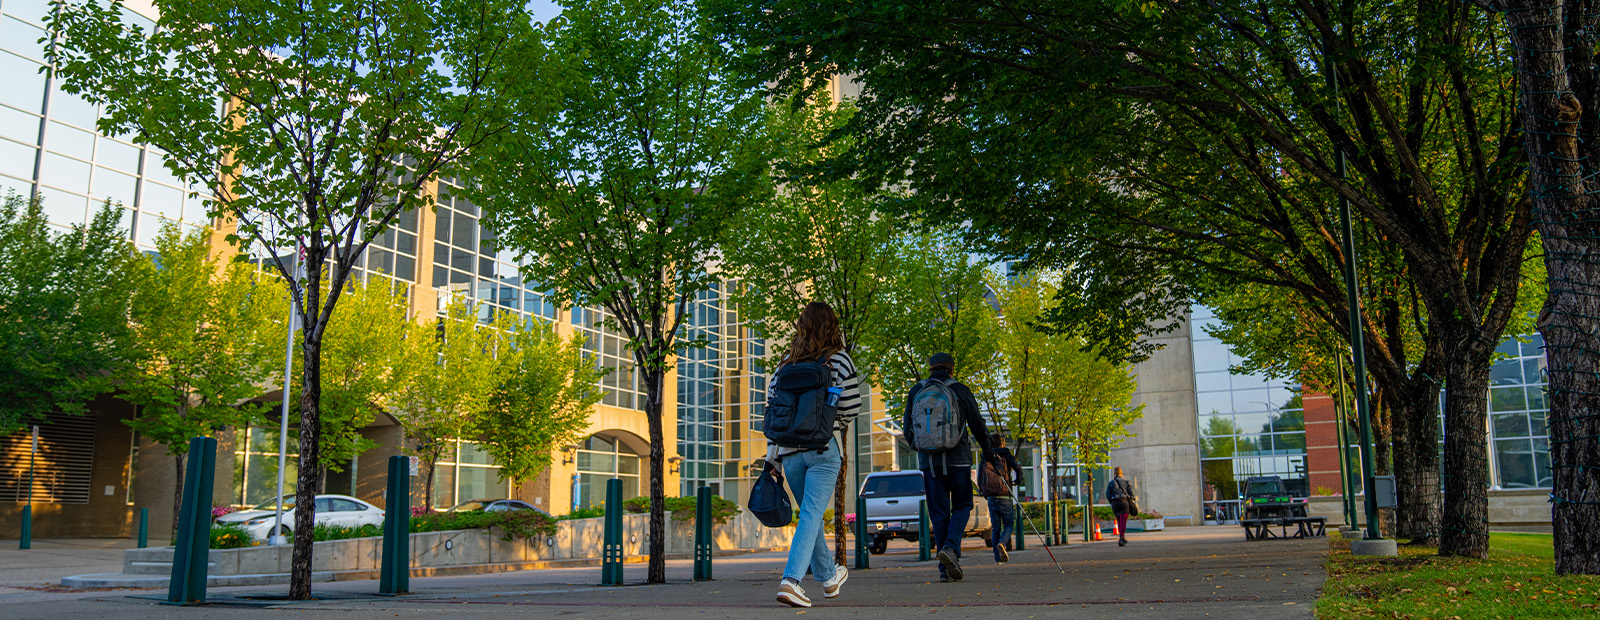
<point x="816" y="334"/>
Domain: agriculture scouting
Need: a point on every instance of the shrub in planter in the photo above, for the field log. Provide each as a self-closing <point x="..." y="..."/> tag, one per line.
<point x="682" y="508"/>
<point x="508" y="524"/>
<point x="231" y="536"/>
<point x="584" y="513"/>
<point x="325" y="532"/>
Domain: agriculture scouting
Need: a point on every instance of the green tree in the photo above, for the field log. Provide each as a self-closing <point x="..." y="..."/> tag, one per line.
<point x="936" y="302"/>
<point x="1156" y="142"/>
<point x="1553" y="47"/>
<point x="1022" y="300"/>
<point x="313" y="126"/>
<point x="64" y="329"/>
<point x="367" y="355"/>
<point x="544" y="392"/>
<point x="814" y="241"/>
<point x="621" y="200"/>
<point x="1085" y="402"/>
<point x="203" y="343"/>
<point x="454" y="374"/>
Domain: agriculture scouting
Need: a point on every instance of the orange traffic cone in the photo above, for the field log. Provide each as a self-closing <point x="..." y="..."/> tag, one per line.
<point x="1097" y="533"/>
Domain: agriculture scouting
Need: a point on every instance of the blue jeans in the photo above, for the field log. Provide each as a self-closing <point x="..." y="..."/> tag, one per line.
<point x="819" y="472"/>
<point x="1002" y="513"/>
<point x="949" y="506"/>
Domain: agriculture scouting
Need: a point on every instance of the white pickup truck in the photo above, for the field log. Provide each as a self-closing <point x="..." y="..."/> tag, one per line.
<point x="893" y="498"/>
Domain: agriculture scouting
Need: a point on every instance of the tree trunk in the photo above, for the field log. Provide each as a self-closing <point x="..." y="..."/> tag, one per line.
<point x="1383" y="456"/>
<point x="1564" y="211"/>
<point x="1465" y="527"/>
<point x="1571" y="336"/>
<point x="653" y="378"/>
<point x="1415" y="423"/>
<point x="177" y="493"/>
<point x="310" y="457"/>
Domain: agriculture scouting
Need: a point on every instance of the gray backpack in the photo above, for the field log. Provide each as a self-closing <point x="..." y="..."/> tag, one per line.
<point x="936" y="421"/>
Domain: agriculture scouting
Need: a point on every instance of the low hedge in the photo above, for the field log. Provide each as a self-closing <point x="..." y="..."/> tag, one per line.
<point x="509" y="524"/>
<point x="682" y="508"/>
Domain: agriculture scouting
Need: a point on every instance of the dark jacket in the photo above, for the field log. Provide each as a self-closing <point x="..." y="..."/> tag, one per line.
<point x="1118" y="489"/>
<point x="961" y="455"/>
<point x="1004" y="454"/>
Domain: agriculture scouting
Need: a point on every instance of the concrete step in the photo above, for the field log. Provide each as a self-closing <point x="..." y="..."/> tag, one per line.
<point x="125" y="580"/>
<point x="153" y="568"/>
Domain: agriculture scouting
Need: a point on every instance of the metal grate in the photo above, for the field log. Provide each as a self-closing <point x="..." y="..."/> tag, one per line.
<point x="60" y="469"/>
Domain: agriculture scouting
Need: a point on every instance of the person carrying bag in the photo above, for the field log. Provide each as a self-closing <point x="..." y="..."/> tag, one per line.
<point x="814" y="394"/>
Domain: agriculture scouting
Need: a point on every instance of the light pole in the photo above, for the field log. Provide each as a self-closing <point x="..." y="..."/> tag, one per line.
<point x="277" y="537"/>
<point x="1353" y="300"/>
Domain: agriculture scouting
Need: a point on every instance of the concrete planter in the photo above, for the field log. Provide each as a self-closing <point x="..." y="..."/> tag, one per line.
<point x="574" y="539"/>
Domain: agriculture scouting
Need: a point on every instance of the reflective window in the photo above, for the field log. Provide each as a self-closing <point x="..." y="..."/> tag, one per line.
<point x="16" y="124"/>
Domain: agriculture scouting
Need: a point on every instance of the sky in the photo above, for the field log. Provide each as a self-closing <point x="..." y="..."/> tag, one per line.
<point x="543" y="10"/>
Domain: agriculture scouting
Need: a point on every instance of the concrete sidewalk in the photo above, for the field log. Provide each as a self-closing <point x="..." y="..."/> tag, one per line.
<point x="1181" y="573"/>
<point x="34" y="574"/>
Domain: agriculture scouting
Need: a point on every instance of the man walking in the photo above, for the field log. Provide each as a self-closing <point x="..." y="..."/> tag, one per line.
<point x="999" y="474"/>
<point x="939" y="411"/>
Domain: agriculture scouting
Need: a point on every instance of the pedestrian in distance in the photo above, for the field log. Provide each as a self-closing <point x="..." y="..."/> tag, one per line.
<point x="939" y="412"/>
<point x="1119" y="492"/>
<point x="997" y="477"/>
<point x="813" y="395"/>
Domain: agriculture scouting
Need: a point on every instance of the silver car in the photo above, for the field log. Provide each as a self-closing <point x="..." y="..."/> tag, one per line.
<point x="893" y="508"/>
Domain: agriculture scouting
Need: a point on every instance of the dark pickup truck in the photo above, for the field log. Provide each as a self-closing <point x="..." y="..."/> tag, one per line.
<point x="1266" y="498"/>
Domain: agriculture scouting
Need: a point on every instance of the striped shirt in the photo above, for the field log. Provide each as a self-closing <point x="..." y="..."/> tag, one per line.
<point x="845" y="376"/>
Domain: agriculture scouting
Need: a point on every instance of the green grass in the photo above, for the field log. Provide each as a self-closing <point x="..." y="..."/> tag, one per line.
<point x="1517" y="581"/>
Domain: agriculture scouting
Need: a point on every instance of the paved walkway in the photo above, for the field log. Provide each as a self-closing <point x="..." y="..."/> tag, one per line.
<point x="1188" y="572"/>
<point x="34" y="575"/>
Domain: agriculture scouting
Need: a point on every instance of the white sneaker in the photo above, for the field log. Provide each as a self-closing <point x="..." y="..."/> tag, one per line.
<point x="790" y="594"/>
<point x="830" y="588"/>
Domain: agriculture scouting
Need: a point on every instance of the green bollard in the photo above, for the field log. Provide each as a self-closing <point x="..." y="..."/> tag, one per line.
<point x="924" y="533"/>
<point x="394" y="571"/>
<point x="702" y="534"/>
<point x="863" y="554"/>
<point x="1049" y="524"/>
<point x="192" y="556"/>
<point x="1017" y="530"/>
<point x="1066" y="525"/>
<point x="27" y="528"/>
<point x="144" y="527"/>
<point x="611" y="550"/>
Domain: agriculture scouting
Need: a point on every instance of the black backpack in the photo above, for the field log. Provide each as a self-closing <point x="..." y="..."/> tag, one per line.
<point x="798" y="414"/>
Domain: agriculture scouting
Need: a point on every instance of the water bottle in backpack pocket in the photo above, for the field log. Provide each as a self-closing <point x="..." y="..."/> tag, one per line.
<point x="936" y="421"/>
<point x="798" y="413"/>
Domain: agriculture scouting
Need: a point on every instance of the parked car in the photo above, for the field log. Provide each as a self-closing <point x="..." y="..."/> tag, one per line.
<point x="330" y="510"/>
<point x="492" y="505"/>
<point x="893" y="501"/>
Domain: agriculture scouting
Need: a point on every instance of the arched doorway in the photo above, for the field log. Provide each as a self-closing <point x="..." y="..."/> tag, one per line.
<point x="601" y="457"/>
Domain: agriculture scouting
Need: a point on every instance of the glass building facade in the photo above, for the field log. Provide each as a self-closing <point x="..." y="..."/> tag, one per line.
<point x="1250" y="425"/>
<point x="49" y="146"/>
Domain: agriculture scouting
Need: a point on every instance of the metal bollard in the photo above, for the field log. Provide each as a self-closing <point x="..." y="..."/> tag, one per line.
<point x="924" y="533"/>
<point x="144" y="527"/>
<point x="27" y="528"/>
<point x="702" y="534"/>
<point x="394" y="571"/>
<point x="1019" y="546"/>
<point x="1049" y="524"/>
<point x="1066" y="524"/>
<point x="192" y="555"/>
<point x="611" y="549"/>
<point x="863" y="554"/>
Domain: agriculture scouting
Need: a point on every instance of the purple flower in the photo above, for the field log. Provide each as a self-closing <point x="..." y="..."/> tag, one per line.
<point x="218" y="511"/>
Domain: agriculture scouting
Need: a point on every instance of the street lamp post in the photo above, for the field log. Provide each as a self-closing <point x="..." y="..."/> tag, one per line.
<point x="1353" y="300"/>
<point x="277" y="537"/>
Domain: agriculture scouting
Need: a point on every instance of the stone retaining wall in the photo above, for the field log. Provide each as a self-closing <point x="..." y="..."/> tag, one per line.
<point x="574" y="539"/>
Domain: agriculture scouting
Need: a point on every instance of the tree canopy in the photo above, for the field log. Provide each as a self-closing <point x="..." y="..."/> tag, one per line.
<point x="65" y="294"/>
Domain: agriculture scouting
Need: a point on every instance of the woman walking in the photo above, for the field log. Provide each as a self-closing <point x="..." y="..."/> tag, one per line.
<point x="1120" y="493"/>
<point x="812" y="473"/>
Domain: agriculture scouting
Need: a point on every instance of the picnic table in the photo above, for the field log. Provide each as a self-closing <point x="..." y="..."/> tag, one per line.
<point x="1305" y="527"/>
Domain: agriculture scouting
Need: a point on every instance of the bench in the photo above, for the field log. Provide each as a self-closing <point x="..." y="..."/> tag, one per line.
<point x="1261" y="529"/>
<point x="1309" y="527"/>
